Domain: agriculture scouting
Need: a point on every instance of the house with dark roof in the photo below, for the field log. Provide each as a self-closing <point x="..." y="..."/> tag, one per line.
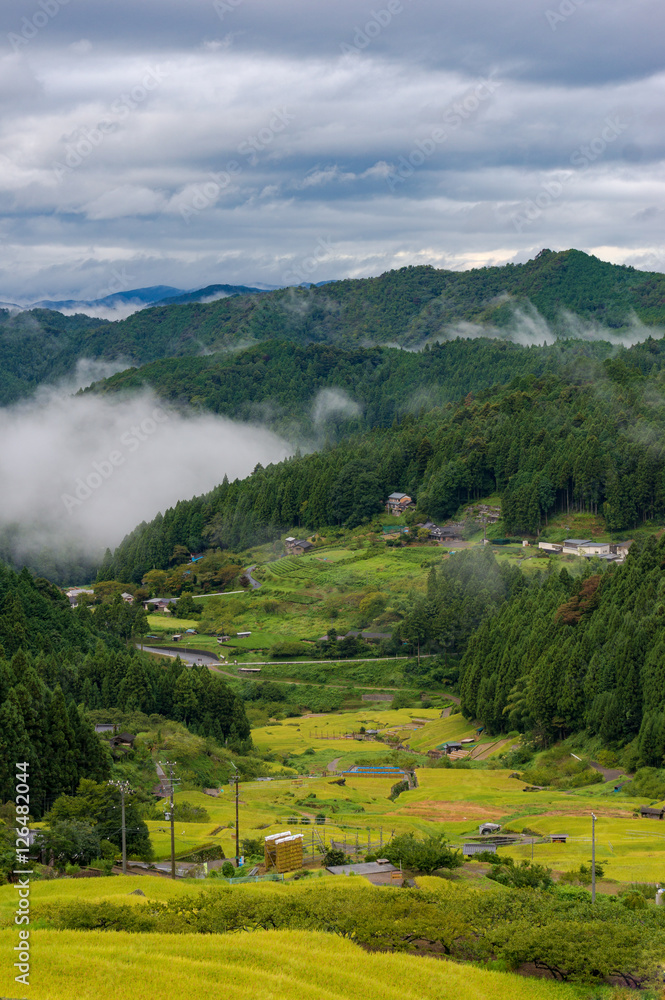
<point x="296" y="547"/>
<point x="397" y="503"/>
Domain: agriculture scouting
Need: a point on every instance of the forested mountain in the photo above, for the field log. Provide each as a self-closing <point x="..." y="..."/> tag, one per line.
<point x="545" y="444"/>
<point x="53" y="659"/>
<point x="405" y="307"/>
<point x="565" y="655"/>
<point x="281" y="383"/>
<point x="39" y="346"/>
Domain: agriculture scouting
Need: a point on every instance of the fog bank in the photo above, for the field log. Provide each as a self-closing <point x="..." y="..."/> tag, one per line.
<point x="77" y="473"/>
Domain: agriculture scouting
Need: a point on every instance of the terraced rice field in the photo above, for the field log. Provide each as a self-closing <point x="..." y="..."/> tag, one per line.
<point x="270" y="965"/>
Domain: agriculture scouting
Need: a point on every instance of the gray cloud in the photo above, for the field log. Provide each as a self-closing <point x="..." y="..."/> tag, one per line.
<point x="192" y="148"/>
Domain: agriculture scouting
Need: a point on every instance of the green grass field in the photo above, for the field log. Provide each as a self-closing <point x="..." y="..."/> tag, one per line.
<point x="269" y="965"/>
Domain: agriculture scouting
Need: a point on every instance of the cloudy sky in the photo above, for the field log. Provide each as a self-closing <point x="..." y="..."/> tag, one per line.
<point x="271" y="141"/>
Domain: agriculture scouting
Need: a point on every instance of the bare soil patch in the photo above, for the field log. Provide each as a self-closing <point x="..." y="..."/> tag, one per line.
<point x="441" y="810"/>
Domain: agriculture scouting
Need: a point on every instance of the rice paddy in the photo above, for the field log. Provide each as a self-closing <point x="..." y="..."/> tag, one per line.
<point x="268" y="965"/>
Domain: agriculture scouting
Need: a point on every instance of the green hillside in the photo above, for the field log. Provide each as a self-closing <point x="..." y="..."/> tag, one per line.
<point x="406" y="307"/>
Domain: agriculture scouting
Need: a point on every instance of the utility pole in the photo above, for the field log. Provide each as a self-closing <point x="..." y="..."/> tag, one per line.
<point x="593" y="857"/>
<point x="124" y="789"/>
<point x="171" y="815"/>
<point x="237" y="813"/>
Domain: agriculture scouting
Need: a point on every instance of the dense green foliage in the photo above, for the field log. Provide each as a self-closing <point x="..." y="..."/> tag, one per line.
<point x="566" y="655"/>
<point x="53" y="660"/>
<point x="284" y="384"/>
<point x="39" y="346"/>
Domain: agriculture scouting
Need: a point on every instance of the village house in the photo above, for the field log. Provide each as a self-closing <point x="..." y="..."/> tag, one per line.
<point x="297" y="547"/>
<point x="447" y="533"/>
<point x="397" y="503"/>
<point x="159" y="604"/>
<point x="127" y="598"/>
<point x="74" y="593"/>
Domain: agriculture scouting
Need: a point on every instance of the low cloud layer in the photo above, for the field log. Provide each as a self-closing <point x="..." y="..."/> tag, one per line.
<point x="530" y="329"/>
<point x="80" y="472"/>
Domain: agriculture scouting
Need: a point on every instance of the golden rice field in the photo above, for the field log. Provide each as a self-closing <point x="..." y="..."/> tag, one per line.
<point x="268" y="965"/>
<point x="457" y="800"/>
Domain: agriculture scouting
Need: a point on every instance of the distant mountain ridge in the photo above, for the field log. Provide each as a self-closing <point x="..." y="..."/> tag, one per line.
<point x="563" y="294"/>
<point x="152" y="295"/>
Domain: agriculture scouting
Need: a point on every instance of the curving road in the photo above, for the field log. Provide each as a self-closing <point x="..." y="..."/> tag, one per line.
<point x="248" y="573"/>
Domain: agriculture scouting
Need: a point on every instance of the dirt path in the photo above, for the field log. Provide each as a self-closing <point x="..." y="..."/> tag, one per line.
<point x="332" y="766"/>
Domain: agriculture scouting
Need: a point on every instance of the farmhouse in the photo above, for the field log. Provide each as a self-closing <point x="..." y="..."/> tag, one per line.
<point x="397" y="503"/>
<point x="159" y="604"/>
<point x="127" y="598"/>
<point x="296" y="547"/>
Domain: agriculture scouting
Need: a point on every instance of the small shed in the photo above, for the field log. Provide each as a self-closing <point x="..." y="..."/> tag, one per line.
<point x="648" y="812"/>
<point x="558" y="838"/>
<point x="450" y="747"/>
<point x="470" y="849"/>
<point x="486" y="828"/>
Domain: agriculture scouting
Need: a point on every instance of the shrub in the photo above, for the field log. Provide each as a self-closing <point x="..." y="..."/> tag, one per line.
<point x="526" y="875"/>
<point x="228" y="870"/>
<point x="424" y="855"/>
<point x="334" y="856"/>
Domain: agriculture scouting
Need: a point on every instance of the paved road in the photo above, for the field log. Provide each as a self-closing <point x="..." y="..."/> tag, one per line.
<point x="248" y="573"/>
<point x="186" y="655"/>
<point x="608" y="773"/>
